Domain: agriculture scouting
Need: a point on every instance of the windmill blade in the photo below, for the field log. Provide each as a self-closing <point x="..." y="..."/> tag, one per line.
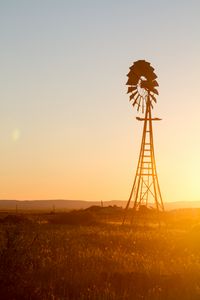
<point x="155" y="83"/>
<point x="133" y="95"/>
<point x="153" y="97"/>
<point x="154" y="91"/>
<point x="138" y="62"/>
<point x="135" y="102"/>
<point x="144" y="69"/>
<point x="131" y="89"/>
<point x="132" y="79"/>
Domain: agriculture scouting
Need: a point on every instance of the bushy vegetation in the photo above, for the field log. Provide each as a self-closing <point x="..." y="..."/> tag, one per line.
<point x="55" y="260"/>
<point x="76" y="217"/>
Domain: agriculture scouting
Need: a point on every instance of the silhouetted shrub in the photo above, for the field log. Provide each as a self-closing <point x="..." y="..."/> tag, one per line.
<point x="94" y="208"/>
<point x="76" y="217"/>
<point x="15" y="219"/>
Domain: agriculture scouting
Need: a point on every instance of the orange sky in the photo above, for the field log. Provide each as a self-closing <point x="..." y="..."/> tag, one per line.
<point x="67" y="129"/>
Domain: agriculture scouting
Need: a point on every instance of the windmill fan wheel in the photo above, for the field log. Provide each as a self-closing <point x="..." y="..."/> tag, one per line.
<point x="142" y="84"/>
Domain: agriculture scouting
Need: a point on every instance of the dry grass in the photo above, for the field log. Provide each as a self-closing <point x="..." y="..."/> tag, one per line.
<point x="103" y="261"/>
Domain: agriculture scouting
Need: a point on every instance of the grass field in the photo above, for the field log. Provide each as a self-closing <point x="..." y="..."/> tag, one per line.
<point x="48" y="256"/>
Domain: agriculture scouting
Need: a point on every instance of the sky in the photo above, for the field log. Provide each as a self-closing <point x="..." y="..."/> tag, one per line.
<point x="67" y="129"/>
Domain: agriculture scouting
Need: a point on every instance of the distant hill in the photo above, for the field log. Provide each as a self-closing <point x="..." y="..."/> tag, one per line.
<point x="79" y="204"/>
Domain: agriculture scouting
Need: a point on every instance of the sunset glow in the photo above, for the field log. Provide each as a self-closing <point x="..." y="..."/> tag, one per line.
<point x="67" y="129"/>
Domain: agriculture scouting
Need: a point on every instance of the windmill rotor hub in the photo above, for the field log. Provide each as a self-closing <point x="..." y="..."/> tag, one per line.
<point x="142" y="84"/>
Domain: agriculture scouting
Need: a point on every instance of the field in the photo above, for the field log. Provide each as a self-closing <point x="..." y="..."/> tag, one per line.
<point x="89" y="255"/>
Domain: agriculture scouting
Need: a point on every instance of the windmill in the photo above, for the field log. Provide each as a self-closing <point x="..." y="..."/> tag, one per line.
<point x="142" y="87"/>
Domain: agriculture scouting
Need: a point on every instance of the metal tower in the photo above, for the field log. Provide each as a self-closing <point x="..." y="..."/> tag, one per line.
<point x="145" y="190"/>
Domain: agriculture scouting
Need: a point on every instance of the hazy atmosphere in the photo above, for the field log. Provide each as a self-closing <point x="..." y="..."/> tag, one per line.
<point x="99" y="150"/>
<point x="67" y="129"/>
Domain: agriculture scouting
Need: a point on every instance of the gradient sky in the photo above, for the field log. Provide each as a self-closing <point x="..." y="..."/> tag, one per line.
<point x="67" y="129"/>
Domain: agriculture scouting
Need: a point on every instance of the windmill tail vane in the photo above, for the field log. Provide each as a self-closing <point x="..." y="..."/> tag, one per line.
<point x="142" y="87"/>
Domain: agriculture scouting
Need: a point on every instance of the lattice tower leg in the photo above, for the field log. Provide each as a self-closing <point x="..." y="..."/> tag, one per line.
<point x="146" y="189"/>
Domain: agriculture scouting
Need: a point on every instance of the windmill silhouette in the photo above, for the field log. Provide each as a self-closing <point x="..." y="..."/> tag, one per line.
<point x="142" y="88"/>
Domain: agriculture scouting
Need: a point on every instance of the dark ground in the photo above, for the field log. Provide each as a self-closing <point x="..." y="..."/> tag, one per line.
<point x="87" y="254"/>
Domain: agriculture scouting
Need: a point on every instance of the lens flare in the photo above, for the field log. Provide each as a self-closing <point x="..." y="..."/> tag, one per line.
<point x="16" y="134"/>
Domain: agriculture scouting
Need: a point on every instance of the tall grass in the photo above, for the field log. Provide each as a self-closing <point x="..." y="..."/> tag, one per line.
<point x="103" y="261"/>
